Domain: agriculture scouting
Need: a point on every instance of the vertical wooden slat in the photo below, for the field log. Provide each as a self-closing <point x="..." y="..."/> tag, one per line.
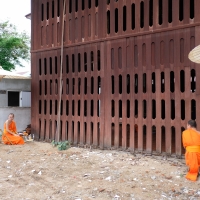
<point x="197" y="42"/>
<point x="132" y="98"/>
<point x="149" y="112"/>
<point x="155" y="14"/>
<point x="120" y="17"/>
<point x="140" y="99"/>
<point x="175" y="13"/>
<point x="186" y="11"/>
<point x="81" y="50"/>
<point x="104" y="124"/>
<point x="149" y="94"/>
<point x="167" y="110"/>
<point x="137" y="16"/>
<point x="124" y="95"/>
<point x="66" y="28"/>
<point x="165" y="13"/>
<point x="146" y="15"/>
<point x="106" y="104"/>
<point x="116" y="94"/>
<point x="128" y="16"/>
<point x="196" y="11"/>
<point x="158" y="111"/>
<point x="88" y="74"/>
<point x="95" y="97"/>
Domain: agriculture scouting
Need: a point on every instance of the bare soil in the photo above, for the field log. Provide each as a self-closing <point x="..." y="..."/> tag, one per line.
<point x="38" y="171"/>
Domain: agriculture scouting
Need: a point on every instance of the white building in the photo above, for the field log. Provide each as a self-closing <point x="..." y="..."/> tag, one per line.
<point x="15" y="97"/>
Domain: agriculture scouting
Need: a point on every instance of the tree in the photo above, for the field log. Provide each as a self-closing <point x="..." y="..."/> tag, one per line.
<point x="14" y="46"/>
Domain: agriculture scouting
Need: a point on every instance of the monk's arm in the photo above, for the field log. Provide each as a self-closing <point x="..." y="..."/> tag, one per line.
<point x="183" y="139"/>
<point x="9" y="131"/>
<point x="15" y="128"/>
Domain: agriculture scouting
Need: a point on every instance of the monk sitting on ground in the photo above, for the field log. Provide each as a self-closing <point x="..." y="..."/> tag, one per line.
<point x="191" y="141"/>
<point x="10" y="135"/>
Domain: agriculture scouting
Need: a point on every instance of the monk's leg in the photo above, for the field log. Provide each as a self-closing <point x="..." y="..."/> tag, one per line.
<point x="198" y="158"/>
<point x="192" y="162"/>
<point x="15" y="140"/>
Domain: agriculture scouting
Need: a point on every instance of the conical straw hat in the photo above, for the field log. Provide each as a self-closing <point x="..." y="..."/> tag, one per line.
<point x="194" y="55"/>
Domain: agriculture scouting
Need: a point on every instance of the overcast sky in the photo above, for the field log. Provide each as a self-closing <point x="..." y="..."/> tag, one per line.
<point x="15" y="11"/>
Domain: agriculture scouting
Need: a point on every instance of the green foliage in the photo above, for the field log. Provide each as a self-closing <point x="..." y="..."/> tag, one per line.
<point x="61" y="145"/>
<point x="14" y="46"/>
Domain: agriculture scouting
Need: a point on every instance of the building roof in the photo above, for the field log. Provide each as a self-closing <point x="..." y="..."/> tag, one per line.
<point x="12" y="75"/>
<point x="28" y="16"/>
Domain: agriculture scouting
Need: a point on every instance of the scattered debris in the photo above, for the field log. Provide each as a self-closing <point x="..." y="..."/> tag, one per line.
<point x="79" y="173"/>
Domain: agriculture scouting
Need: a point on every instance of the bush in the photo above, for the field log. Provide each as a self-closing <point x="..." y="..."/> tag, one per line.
<point x="61" y="145"/>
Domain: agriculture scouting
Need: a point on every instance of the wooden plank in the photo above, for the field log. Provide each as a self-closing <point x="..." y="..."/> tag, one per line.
<point x="175" y="13"/>
<point x="112" y="18"/>
<point x="155" y="14"/>
<point x="73" y="30"/>
<point x="146" y="15"/>
<point x="104" y="140"/>
<point x="140" y="99"/>
<point x="81" y="50"/>
<point x="119" y="6"/>
<point x="167" y="110"/>
<point x="186" y="11"/>
<point x="66" y="35"/>
<point x="124" y="94"/>
<point x="165" y="14"/>
<point x="149" y="133"/>
<point x="158" y="119"/>
<point x="128" y="17"/>
<point x="92" y="11"/>
<point x="95" y="96"/>
<point x="115" y="71"/>
<point x="197" y="42"/>
<point x="196" y="11"/>
<point x="88" y="76"/>
<point x="137" y="16"/>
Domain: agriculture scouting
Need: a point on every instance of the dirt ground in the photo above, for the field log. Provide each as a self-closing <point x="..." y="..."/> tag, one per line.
<point x="39" y="171"/>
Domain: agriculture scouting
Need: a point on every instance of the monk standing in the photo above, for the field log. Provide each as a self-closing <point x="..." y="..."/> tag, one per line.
<point x="10" y="135"/>
<point x="191" y="141"/>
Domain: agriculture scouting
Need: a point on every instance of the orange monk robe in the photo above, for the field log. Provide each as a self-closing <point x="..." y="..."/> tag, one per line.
<point x="191" y="141"/>
<point x="7" y="138"/>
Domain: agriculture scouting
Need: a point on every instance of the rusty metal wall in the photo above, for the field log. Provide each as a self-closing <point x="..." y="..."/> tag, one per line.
<point x="127" y="80"/>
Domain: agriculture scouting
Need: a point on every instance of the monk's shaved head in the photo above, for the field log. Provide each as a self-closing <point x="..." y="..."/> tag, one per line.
<point x="192" y="123"/>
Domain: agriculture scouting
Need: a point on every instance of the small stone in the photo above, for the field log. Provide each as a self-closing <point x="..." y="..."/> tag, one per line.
<point x="108" y="178"/>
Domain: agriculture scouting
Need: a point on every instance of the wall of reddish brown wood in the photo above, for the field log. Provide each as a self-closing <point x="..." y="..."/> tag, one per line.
<point x="127" y="80"/>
